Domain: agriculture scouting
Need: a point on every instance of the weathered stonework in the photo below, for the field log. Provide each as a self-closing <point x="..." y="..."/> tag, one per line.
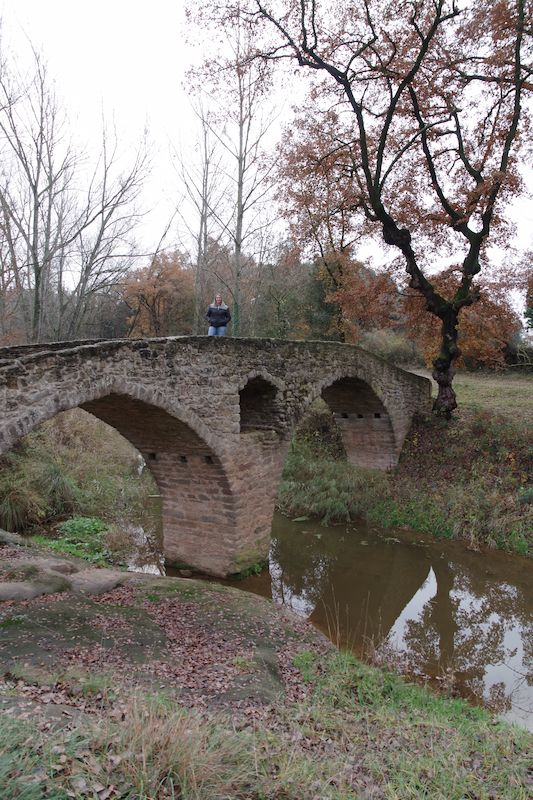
<point x="213" y="418"/>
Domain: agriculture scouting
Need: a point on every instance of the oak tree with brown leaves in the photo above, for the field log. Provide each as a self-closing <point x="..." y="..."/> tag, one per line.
<point x="486" y="329"/>
<point x="160" y="297"/>
<point x="429" y="101"/>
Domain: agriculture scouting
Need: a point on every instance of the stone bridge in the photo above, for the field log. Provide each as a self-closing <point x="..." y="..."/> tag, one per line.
<point x="213" y="419"/>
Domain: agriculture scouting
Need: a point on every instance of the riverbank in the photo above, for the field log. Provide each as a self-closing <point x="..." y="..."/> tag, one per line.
<point x="467" y="479"/>
<point x="169" y="687"/>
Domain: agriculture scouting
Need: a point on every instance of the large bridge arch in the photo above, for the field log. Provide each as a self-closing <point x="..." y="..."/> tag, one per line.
<point x="47" y="405"/>
<point x="197" y="502"/>
<point x="213" y="416"/>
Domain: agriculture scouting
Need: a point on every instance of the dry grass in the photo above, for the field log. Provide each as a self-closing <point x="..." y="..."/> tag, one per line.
<point x="360" y="733"/>
<point x="506" y="393"/>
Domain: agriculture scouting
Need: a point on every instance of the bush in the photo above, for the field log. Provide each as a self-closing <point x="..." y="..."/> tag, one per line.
<point x="79" y="528"/>
<point x="22" y="504"/>
<point x="327" y="488"/>
<point x="320" y="433"/>
<point x="393" y="346"/>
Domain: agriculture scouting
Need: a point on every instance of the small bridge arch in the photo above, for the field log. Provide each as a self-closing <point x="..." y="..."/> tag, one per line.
<point x="213" y="419"/>
<point x="261" y="402"/>
<point x="363" y="421"/>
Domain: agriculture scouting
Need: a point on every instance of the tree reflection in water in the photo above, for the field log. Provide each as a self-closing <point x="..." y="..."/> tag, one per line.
<point x="451" y="613"/>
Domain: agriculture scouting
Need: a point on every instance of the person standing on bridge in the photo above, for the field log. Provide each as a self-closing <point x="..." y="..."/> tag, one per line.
<point x="218" y="316"/>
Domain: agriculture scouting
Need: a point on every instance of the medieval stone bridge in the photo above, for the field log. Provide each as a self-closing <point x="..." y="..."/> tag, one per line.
<point x="213" y="418"/>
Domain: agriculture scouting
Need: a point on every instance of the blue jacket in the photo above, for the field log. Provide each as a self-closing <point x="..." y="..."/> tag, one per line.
<point x="218" y="316"/>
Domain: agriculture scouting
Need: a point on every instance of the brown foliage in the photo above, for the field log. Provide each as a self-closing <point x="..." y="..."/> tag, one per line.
<point x="160" y="297"/>
<point x="416" y="116"/>
<point x="367" y="300"/>
<point x="485" y="329"/>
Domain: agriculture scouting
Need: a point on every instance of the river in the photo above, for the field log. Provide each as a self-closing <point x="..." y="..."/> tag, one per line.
<point x="433" y="609"/>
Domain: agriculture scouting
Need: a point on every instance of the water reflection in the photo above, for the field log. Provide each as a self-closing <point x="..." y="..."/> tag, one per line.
<point x="460" y="617"/>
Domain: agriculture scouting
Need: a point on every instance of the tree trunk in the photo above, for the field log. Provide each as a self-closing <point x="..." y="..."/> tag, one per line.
<point x="443" y="371"/>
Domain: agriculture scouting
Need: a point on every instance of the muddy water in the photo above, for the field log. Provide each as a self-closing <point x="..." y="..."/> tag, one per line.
<point x="434" y="609"/>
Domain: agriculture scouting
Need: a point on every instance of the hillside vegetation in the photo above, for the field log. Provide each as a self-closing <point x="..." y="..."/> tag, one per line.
<point x="469" y="478"/>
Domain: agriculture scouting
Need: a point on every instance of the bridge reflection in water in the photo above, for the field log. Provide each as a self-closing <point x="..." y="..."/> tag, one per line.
<point x="458" y="617"/>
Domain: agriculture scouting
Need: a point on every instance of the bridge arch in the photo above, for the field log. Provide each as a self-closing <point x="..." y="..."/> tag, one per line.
<point x="58" y="400"/>
<point x="362" y="418"/>
<point x="197" y="501"/>
<point x="260" y="396"/>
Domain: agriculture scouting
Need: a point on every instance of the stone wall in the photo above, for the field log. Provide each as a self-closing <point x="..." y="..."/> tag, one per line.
<point x="213" y="418"/>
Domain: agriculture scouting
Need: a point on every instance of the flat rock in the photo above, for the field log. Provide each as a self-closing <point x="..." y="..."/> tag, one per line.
<point x="11" y="538"/>
<point x="21" y="590"/>
<point x="60" y="566"/>
<point x="97" y="581"/>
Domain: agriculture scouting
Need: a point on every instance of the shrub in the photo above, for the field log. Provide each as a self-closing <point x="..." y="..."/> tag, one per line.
<point x="319" y="430"/>
<point x="79" y="528"/>
<point x="22" y="501"/>
<point x="392" y="346"/>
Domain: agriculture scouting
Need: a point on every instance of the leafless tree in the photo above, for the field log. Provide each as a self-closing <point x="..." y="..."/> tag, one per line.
<point x="244" y="137"/>
<point x="105" y="248"/>
<point x="204" y="186"/>
<point x="61" y="244"/>
<point x="242" y="123"/>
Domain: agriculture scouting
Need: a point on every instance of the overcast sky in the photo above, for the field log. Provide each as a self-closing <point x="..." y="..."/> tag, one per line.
<point x="128" y="58"/>
<point x="128" y="55"/>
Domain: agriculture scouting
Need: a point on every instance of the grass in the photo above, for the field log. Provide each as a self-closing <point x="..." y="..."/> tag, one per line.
<point x="467" y="479"/>
<point x="359" y="732"/>
<point x="73" y="465"/>
<point x="82" y="537"/>
<point x="305" y="662"/>
<point x="507" y="394"/>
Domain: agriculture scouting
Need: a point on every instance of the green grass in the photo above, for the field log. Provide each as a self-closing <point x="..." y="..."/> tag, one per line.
<point x="11" y="622"/>
<point x="506" y="393"/>
<point x="305" y="662"/>
<point x="360" y="732"/>
<point x="467" y="479"/>
<point x="82" y="537"/>
<point x="325" y="487"/>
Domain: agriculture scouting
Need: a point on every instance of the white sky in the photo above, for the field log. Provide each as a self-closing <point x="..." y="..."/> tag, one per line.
<point x="125" y="58"/>
<point x="128" y="55"/>
<point x="129" y="59"/>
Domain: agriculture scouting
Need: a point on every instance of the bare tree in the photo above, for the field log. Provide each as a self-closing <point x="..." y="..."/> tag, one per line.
<point x="105" y="248"/>
<point x="61" y="244"/>
<point x="247" y="128"/>
<point x="235" y="87"/>
<point x="204" y="184"/>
